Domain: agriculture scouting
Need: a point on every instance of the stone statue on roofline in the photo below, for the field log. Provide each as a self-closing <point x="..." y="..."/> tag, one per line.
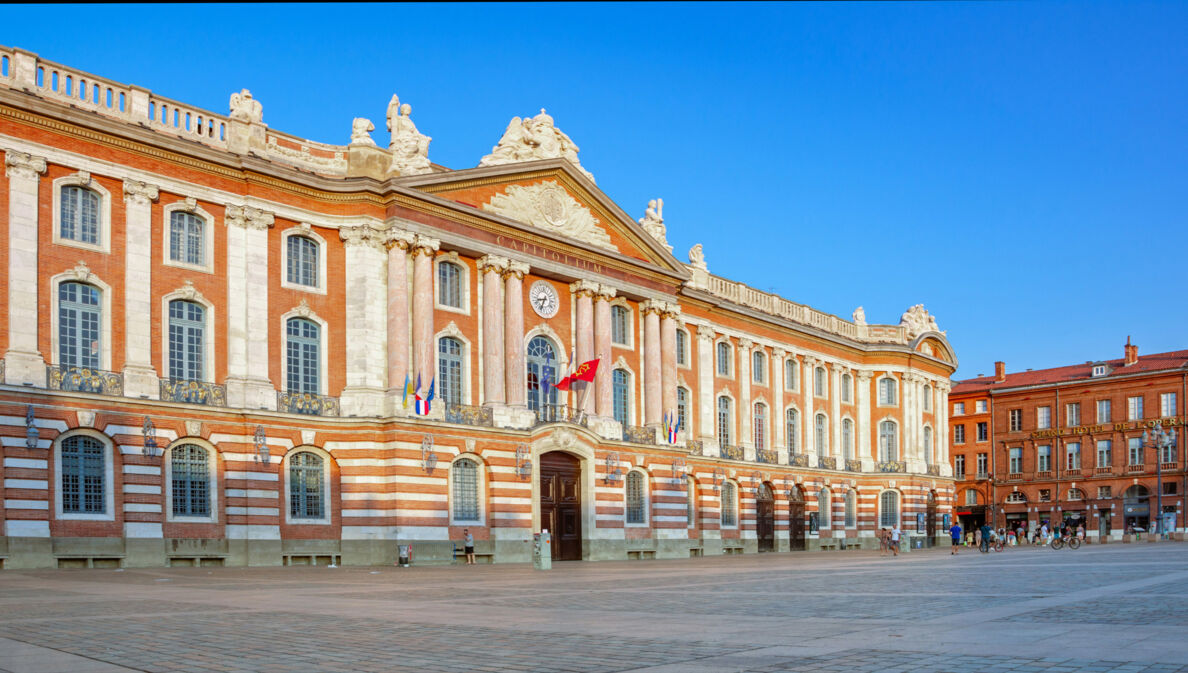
<point x="653" y="221"/>
<point x="916" y="321"/>
<point x="410" y="147"/>
<point x="361" y="131"/>
<point x="697" y="258"/>
<point x="244" y="108"/>
<point x="529" y="139"/>
<point x="859" y="316"/>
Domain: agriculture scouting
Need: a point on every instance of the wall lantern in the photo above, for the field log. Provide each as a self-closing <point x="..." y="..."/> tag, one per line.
<point x="614" y="474"/>
<point x="32" y="434"/>
<point x="719" y="477"/>
<point x="523" y="461"/>
<point x="679" y="467"/>
<point x="149" y="431"/>
<point x="428" y="455"/>
<point x="260" y="442"/>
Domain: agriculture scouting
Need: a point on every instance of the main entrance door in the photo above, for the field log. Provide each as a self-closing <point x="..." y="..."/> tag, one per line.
<point x="765" y="518"/>
<point x="931" y="520"/>
<point x="561" y="503"/>
<point x="796" y="520"/>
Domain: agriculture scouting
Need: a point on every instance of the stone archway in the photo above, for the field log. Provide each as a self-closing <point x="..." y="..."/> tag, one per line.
<point x="563" y="491"/>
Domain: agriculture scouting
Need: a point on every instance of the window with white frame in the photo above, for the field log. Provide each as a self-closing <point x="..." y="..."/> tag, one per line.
<point x="958" y="434"/>
<point x="1167" y="404"/>
<point x="758" y="367"/>
<point x="189" y="476"/>
<point x="1043" y="458"/>
<point x="927" y="445"/>
<point x="80" y="320"/>
<point x="983" y="430"/>
<point x="889" y="509"/>
<point x="723" y="348"/>
<point x="1103" y="411"/>
<point x="682" y="347"/>
<point x="1134" y="408"/>
<point x="792" y="421"/>
<point x="725" y="423"/>
<point x="847" y="439"/>
<point x="1043" y="417"/>
<point x="821" y="435"/>
<point x="301" y="261"/>
<point x="820" y="384"/>
<point x="959" y="408"/>
<point x="302" y="356"/>
<point x="1134" y="449"/>
<point x="1099" y="370"/>
<point x="620" y="326"/>
<point x="888" y="449"/>
<point x="971" y="496"/>
<point x="760" y="425"/>
<point x="306" y="486"/>
<point x="78" y="217"/>
<point x="682" y="408"/>
<point x="1016" y="459"/>
<point x="1104" y="492"/>
<point x="690" y="502"/>
<point x="541" y="363"/>
<point x="1016" y="420"/>
<point x="824" y="507"/>
<point x="983" y="465"/>
<point x="790" y="367"/>
<point x="959" y="467"/>
<point x="83" y="475"/>
<point x="450" y="370"/>
<point x="1075" y="494"/>
<point x="187" y="238"/>
<point x="888" y="393"/>
<point x="621" y="396"/>
<point x="464" y="480"/>
<point x="729" y="506"/>
<point x="980" y="406"/>
<point x="636" y="501"/>
<point x="1072" y="453"/>
<point x="1169" y="453"/>
<point x="187" y="340"/>
<point x="847" y="384"/>
<point x="1016" y="496"/>
<point x="1072" y="414"/>
<point x="449" y="285"/>
<point x="1105" y="450"/>
<point x="927" y="398"/>
<point x="851" y="508"/>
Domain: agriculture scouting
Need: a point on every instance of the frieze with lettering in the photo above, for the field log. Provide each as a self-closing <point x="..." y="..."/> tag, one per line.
<point x="1125" y="426"/>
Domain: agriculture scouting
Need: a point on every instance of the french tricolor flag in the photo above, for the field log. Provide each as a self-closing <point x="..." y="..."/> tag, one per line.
<point x="422" y="404"/>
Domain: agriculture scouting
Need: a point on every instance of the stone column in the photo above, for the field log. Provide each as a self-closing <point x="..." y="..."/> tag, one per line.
<point x="835" y="446"/>
<point x="907" y="407"/>
<point x="865" y="448"/>
<point x="941" y="434"/>
<point x="248" y="385"/>
<point x="808" y="422"/>
<point x="705" y="385"/>
<point x="140" y="378"/>
<point x="604" y="405"/>
<point x="423" y="251"/>
<point x="366" y="322"/>
<point x="653" y="399"/>
<point x="398" y="243"/>
<point x="515" y="374"/>
<point x="778" y="441"/>
<point x="23" y="362"/>
<point x="492" y="268"/>
<point x="668" y="362"/>
<point x="746" y="438"/>
<point x="583" y="297"/>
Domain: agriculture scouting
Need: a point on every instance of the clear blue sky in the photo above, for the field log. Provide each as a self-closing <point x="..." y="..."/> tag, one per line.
<point x="1019" y="168"/>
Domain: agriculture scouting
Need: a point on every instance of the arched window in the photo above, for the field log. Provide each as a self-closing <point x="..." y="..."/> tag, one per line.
<point x="302" y="357"/>
<point x="790" y="367"/>
<point x="79" y="215"/>
<point x="792" y="421"/>
<point x="848" y="438"/>
<point x="187" y="340"/>
<point x="725" y="423"/>
<point x="682" y="347"/>
<point x="927" y="398"/>
<point x="758" y="367"/>
<point x="971" y="496"/>
<point x="683" y="408"/>
<point x="729" y="506"/>
<point x="760" y="425"/>
<point x="302" y="266"/>
<point x="1075" y="494"/>
<point x="187" y="241"/>
<point x="84" y="475"/>
<point x="888" y="451"/>
<point x="636" y="501"/>
<point x="887" y="391"/>
<point x="889" y="509"/>
<point x="620" y="325"/>
<point x="464" y="479"/>
<point x="542" y="363"/>
<point x="824" y="508"/>
<point x="306" y="481"/>
<point x="449" y="370"/>
<point x="821" y="435"/>
<point x="851" y="508"/>
<point x="449" y="285"/>
<point x="723" y="358"/>
<point x="927" y="445"/>
<point x="79" y="325"/>
<point x="690" y="502"/>
<point x="621" y="396"/>
<point x="820" y="387"/>
<point x="846" y="385"/>
<point x="189" y="472"/>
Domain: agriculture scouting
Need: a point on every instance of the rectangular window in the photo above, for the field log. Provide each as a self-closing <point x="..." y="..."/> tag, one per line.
<point x="723" y="357"/>
<point x="1104" y="493"/>
<point x="1103" y="411"/>
<point x="1072" y="456"/>
<point x="980" y="406"/>
<point x="959" y="467"/>
<point x="959" y="408"/>
<point x="1072" y="414"/>
<point x="620" y="325"/>
<point x="983" y="465"/>
<point x="682" y="409"/>
<point x="958" y="434"/>
<point x="1045" y="495"/>
<point x="983" y="431"/>
<point x="1104" y="453"/>
<point x="1167" y="404"/>
<point x="1134" y="450"/>
<point x="682" y="347"/>
<point x="1016" y="420"/>
<point x="1016" y="456"/>
<point x="1134" y="408"/>
<point x="1169" y="488"/>
<point x="758" y="368"/>
<point x="819" y="384"/>
<point x="1043" y="418"/>
<point x="1043" y="456"/>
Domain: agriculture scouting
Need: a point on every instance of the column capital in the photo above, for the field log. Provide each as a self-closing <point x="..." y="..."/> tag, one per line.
<point x="363" y="235"/>
<point x="652" y="306"/>
<point x="605" y="293"/>
<point x="399" y="238"/>
<point x="583" y="288"/>
<point x="779" y="353"/>
<point x="492" y="263"/>
<point x="706" y="333"/>
<point x="671" y="311"/>
<point x="864" y="375"/>
<point x="745" y="343"/>
<point x="944" y="386"/>
<point x="248" y="217"/>
<point x="516" y="268"/>
<point x="23" y="165"/>
<point x="140" y="193"/>
<point x="424" y="245"/>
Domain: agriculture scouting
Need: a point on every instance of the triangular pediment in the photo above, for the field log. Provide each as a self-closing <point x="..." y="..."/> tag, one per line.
<point x="553" y="198"/>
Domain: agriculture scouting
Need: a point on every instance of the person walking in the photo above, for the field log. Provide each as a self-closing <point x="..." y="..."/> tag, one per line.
<point x="468" y="546"/>
<point x="1044" y="533"/>
<point x="882" y="541"/>
<point x="955" y="534"/>
<point x="895" y="534"/>
<point x="987" y="531"/>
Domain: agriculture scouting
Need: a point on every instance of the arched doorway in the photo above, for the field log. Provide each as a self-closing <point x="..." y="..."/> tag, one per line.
<point x="930" y="521"/>
<point x="765" y="517"/>
<point x="796" y="519"/>
<point x="561" y="503"/>
<point x="1136" y="508"/>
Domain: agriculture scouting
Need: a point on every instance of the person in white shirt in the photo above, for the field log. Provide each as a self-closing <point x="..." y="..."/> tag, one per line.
<point x="895" y="533"/>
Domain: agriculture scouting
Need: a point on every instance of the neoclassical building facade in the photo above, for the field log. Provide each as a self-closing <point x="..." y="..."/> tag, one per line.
<point x="216" y="333"/>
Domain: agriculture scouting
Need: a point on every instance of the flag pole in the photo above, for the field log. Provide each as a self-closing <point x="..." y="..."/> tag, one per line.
<point x="586" y="391"/>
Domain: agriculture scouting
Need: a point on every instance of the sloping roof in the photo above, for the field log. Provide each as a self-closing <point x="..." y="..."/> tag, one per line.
<point x="1146" y="363"/>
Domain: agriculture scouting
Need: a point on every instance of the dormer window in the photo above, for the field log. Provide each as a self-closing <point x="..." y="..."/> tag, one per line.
<point x="1100" y="370"/>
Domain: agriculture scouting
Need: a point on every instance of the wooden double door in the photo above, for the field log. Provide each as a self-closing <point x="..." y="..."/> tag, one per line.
<point x="765" y="518"/>
<point x="561" y="503"/>
<point x="796" y="526"/>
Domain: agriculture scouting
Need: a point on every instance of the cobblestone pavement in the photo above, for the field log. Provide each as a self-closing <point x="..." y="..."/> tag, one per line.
<point x="1112" y="609"/>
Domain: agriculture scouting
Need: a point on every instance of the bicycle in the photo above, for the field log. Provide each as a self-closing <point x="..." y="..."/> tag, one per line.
<point x="986" y="546"/>
<point x="1072" y="541"/>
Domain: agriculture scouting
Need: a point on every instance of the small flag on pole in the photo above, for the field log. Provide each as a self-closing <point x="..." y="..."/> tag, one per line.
<point x="423" y="405"/>
<point x="672" y="424"/>
<point x="407" y="389"/>
<point x="585" y="373"/>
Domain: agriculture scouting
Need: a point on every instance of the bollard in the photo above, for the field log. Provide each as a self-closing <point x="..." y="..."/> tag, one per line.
<point x="542" y="550"/>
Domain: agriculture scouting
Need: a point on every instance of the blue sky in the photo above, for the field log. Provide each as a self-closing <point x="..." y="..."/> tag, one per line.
<point x="1019" y="168"/>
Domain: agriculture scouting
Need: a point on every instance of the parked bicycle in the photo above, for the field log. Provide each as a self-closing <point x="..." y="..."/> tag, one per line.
<point x="1072" y="541"/>
<point x="987" y="545"/>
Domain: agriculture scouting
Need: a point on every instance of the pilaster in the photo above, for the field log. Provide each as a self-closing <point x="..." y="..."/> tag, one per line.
<point x="583" y="292"/>
<point x="515" y="373"/>
<point x="746" y="430"/>
<point x="808" y="385"/>
<point x="247" y="308"/>
<point x="424" y="249"/>
<point x="653" y="399"/>
<point x="604" y="404"/>
<point x="366" y="321"/>
<point x="23" y="362"/>
<point x="835" y="438"/>
<point x="778" y="417"/>
<point x="140" y="378"/>
<point x="492" y="267"/>
<point x="668" y="359"/>
<point x="705" y="384"/>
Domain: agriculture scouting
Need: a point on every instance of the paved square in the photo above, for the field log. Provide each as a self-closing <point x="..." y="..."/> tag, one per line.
<point x="1111" y="609"/>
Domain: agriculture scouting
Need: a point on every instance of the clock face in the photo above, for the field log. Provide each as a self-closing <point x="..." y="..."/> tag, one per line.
<point x="543" y="297"/>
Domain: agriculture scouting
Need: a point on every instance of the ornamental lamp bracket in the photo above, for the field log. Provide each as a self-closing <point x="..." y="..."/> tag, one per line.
<point x="679" y="469"/>
<point x="32" y="434"/>
<point x="719" y="477"/>
<point x="260" y="443"/>
<point x="523" y="461"/>
<point x="614" y="474"/>
<point x="428" y="455"/>
<point x="149" y="449"/>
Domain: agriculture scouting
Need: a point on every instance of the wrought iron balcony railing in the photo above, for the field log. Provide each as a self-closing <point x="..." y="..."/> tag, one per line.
<point x="310" y="404"/>
<point x="853" y="465"/>
<point x="637" y="434"/>
<point x="934" y="470"/>
<point x="891" y="466"/>
<point x="465" y="414"/>
<point x="827" y="463"/>
<point x="731" y="452"/>
<point x="83" y="380"/>
<point x="559" y="413"/>
<point x="766" y="456"/>
<point x="193" y="392"/>
<point x="798" y="460"/>
<point x="695" y="446"/>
